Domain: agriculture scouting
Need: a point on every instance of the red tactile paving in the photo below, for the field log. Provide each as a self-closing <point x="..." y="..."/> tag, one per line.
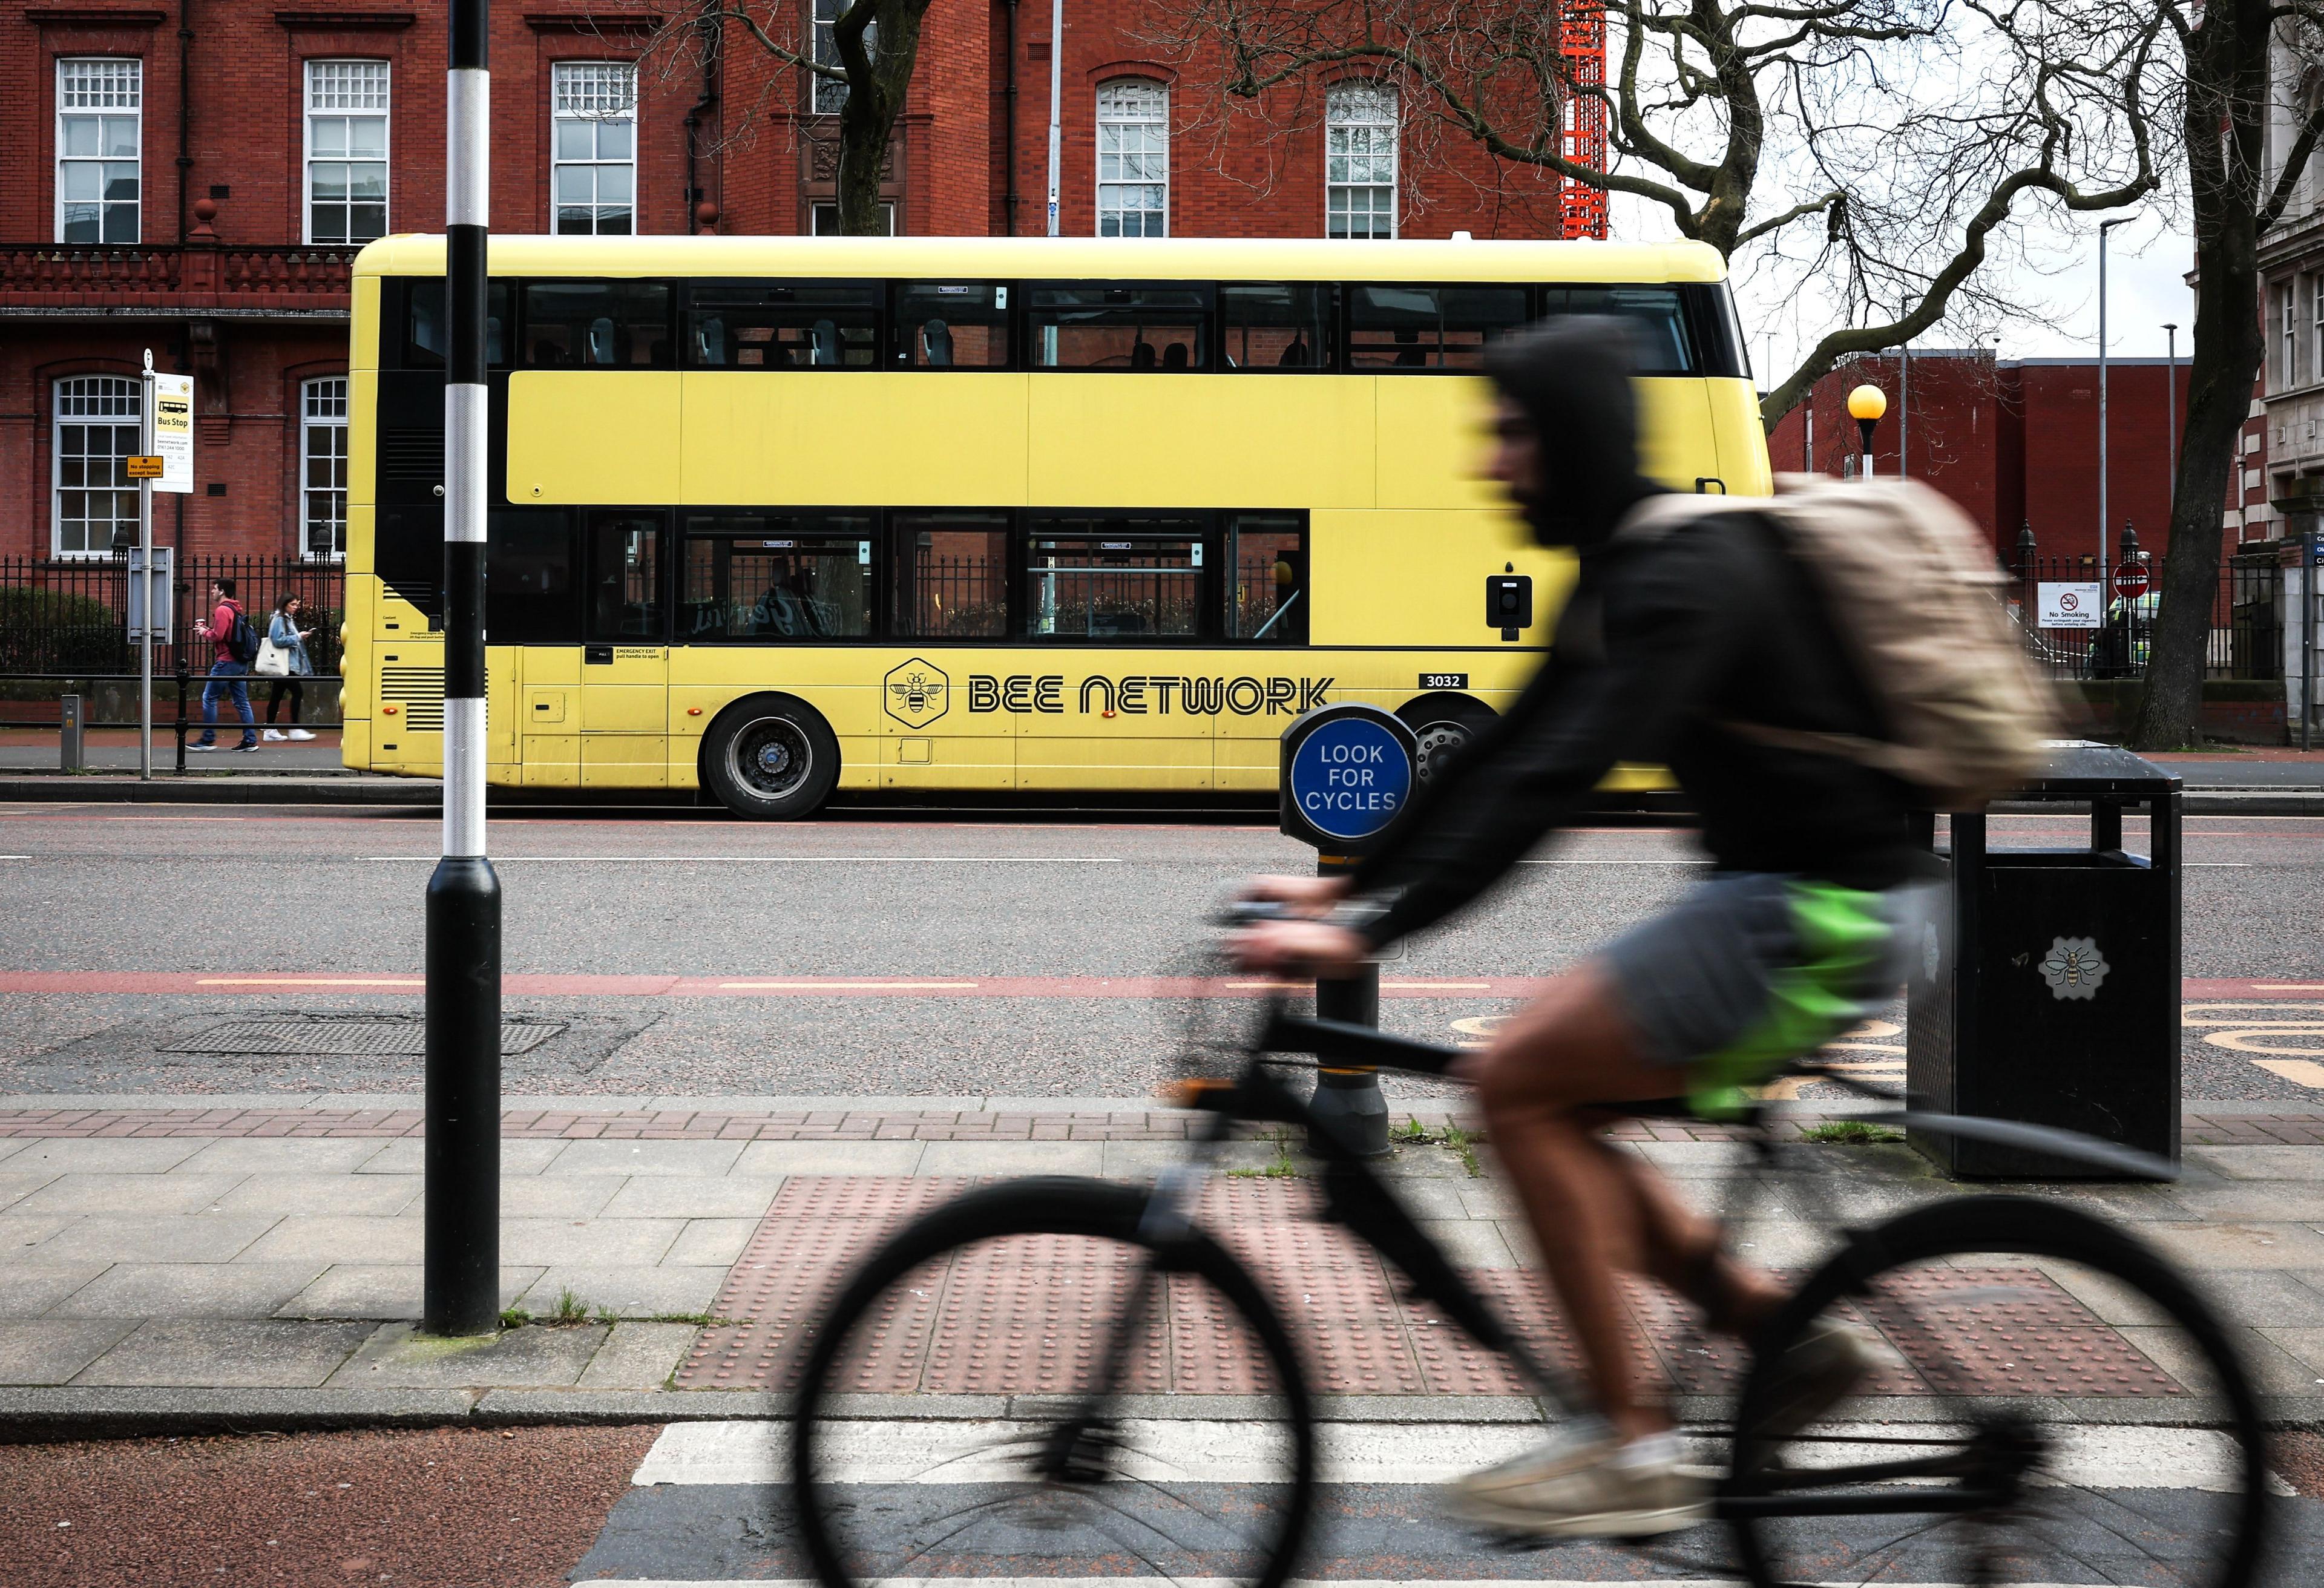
<point x="1023" y="1314"/>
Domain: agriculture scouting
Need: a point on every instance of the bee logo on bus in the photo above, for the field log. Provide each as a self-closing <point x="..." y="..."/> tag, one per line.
<point x="917" y="693"/>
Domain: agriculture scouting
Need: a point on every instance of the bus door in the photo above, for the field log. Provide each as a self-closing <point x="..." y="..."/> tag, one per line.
<point x="951" y="693"/>
<point x="624" y="688"/>
<point x="1113" y="606"/>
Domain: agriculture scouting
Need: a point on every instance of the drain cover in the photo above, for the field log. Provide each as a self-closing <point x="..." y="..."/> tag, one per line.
<point x="347" y="1035"/>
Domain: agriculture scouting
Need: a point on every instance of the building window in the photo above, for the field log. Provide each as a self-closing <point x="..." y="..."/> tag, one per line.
<point x="2289" y="295"/>
<point x="97" y="433"/>
<point x="1359" y="162"/>
<point x="829" y="94"/>
<point x="323" y="468"/>
<point x="1133" y="159"/>
<point x="2316" y="327"/>
<point x="824" y="217"/>
<point x="346" y="151"/>
<point x="596" y="133"/>
<point x="97" y="111"/>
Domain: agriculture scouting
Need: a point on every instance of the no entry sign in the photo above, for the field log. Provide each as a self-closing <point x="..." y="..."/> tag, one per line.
<point x="2130" y="580"/>
<point x="1347" y="774"/>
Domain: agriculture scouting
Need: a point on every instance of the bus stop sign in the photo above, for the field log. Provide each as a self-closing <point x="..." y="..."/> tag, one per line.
<point x="1347" y="774"/>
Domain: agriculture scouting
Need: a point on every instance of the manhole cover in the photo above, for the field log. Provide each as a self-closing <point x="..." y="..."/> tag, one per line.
<point x="349" y="1036"/>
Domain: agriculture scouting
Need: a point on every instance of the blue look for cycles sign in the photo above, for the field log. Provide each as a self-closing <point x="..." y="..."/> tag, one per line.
<point x="1347" y="774"/>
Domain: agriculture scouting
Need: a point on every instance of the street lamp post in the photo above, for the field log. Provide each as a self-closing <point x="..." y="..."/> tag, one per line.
<point x="1056" y="101"/>
<point x="2105" y="563"/>
<point x="1865" y="404"/>
<point x="1904" y="411"/>
<point x="460" y="1156"/>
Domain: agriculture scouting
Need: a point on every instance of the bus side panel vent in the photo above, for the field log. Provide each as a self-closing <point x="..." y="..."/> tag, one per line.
<point x="411" y="454"/>
<point x="419" y="694"/>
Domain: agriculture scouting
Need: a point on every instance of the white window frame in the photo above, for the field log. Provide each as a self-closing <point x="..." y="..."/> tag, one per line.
<point x="1120" y="121"/>
<point x="2316" y="326"/>
<point x="1378" y="113"/>
<point x="323" y="415"/>
<point x="818" y="210"/>
<point x="2289" y="366"/>
<point x="306" y="167"/>
<point x="123" y="394"/>
<point x="559" y="74"/>
<point x="134" y="108"/>
<point x="823" y="95"/>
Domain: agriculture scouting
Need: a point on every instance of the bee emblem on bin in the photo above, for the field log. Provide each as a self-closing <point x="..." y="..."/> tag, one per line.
<point x="2074" y="968"/>
<point x="916" y="693"/>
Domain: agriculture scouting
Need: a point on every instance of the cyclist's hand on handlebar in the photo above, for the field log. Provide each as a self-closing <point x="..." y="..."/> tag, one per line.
<point x="1308" y="896"/>
<point x="1316" y="946"/>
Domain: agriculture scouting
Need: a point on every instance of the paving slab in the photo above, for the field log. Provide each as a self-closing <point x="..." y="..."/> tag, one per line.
<point x="18" y="1235"/>
<point x="50" y="1351"/>
<point x="519" y="1156"/>
<point x="639" y="1356"/>
<point x="132" y="1193"/>
<point x="646" y="1157"/>
<point x="557" y="1196"/>
<point x="829" y="1158"/>
<point x="382" y="1291"/>
<point x="187" y="1290"/>
<point x="2251" y="1199"/>
<point x="627" y="1290"/>
<point x="599" y="1240"/>
<point x="1012" y="1157"/>
<point x="1470" y="1244"/>
<point x="11" y="1145"/>
<point x="303" y="1193"/>
<point x="717" y="1242"/>
<point x="104" y="1155"/>
<point x="304" y="1154"/>
<point x="683" y="1197"/>
<point x="2208" y="1248"/>
<point x="328" y="1238"/>
<point x="226" y="1353"/>
<point x="2305" y="1343"/>
<point x="396" y="1356"/>
<point x="2261" y="1163"/>
<point x="201" y="1237"/>
<point x="14" y="1188"/>
<point x="27" y="1289"/>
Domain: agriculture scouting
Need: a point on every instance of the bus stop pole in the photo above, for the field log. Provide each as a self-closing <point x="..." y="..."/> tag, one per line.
<point x="145" y="572"/>
<point x="460" y="1275"/>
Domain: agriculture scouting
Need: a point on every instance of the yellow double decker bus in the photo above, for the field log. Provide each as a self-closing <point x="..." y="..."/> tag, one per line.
<point x="777" y="517"/>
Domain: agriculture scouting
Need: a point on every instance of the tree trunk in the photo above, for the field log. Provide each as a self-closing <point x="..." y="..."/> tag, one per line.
<point x="863" y="160"/>
<point x="2225" y="109"/>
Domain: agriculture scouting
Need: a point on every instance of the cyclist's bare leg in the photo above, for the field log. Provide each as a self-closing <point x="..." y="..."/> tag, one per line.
<point x="1546" y="1084"/>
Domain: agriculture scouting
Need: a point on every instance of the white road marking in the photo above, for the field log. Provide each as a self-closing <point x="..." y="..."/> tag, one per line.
<point x="885" y="986"/>
<point x="775" y="859"/>
<point x="1162" y="1450"/>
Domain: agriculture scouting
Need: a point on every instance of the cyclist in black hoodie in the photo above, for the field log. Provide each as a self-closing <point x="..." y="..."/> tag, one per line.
<point x="1668" y="641"/>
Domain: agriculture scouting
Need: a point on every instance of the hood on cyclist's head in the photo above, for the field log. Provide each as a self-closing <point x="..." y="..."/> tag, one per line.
<point x="1571" y="378"/>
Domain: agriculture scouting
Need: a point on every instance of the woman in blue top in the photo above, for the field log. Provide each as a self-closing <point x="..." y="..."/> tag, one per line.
<point x="290" y="639"/>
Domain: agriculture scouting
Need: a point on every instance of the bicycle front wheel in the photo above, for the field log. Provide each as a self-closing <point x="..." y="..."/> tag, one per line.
<point x="1023" y="1383"/>
<point x="2054" y="1404"/>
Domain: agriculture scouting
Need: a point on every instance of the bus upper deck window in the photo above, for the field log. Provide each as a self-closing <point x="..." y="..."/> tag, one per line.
<point x="1270" y="328"/>
<point x="1654" y="314"/>
<point x="944" y="326"/>
<point x="783" y="325"/>
<point x="1161" y="327"/>
<point x="1392" y="329"/>
<point x="596" y="325"/>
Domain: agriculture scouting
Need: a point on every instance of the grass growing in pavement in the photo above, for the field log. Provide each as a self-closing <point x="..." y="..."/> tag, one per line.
<point x="1454" y="1140"/>
<point x="1851" y="1133"/>
<point x="570" y="1309"/>
<point x="514" y="1317"/>
<point x="1282" y="1168"/>
<point x="1465" y="1146"/>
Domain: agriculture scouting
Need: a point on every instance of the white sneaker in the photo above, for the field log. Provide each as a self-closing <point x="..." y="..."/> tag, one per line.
<point x="271" y="734"/>
<point x="1585" y="1484"/>
<point x="201" y="749"/>
<point x="300" y="733"/>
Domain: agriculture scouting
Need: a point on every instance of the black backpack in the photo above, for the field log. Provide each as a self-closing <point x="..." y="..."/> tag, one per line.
<point x="242" y="639"/>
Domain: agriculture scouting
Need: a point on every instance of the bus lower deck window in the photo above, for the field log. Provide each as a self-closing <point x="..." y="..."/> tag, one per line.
<point x="777" y="576"/>
<point x="951" y="574"/>
<point x="1267" y="579"/>
<point x="1113" y="579"/>
<point x="625" y="577"/>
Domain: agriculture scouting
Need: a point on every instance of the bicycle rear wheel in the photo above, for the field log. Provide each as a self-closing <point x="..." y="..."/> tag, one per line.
<point x="2059" y="1405"/>
<point x="1010" y="1386"/>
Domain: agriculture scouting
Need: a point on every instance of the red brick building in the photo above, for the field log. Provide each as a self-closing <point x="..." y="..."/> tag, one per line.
<point x="2015" y="442"/>
<point x="196" y="179"/>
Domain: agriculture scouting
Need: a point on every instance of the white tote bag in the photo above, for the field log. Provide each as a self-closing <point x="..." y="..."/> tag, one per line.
<point x="273" y="662"/>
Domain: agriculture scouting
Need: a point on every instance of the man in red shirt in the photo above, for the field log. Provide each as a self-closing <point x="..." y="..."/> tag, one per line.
<point x="229" y="673"/>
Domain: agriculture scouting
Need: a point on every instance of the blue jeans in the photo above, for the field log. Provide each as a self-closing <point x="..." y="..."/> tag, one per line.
<point x="227" y="678"/>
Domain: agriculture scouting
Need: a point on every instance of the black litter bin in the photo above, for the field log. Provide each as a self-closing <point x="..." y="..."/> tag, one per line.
<point x="2060" y="1004"/>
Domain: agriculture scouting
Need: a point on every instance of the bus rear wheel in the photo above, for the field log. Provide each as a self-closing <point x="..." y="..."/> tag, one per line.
<point x="1443" y="725"/>
<point x="771" y="758"/>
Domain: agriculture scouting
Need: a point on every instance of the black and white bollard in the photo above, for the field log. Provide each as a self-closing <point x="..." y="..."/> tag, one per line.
<point x="460" y="1284"/>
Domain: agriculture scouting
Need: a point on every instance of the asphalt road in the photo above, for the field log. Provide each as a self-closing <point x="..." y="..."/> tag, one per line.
<point x="301" y="910"/>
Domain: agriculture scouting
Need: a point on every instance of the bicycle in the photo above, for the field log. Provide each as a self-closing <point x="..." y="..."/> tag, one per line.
<point x="1085" y="1446"/>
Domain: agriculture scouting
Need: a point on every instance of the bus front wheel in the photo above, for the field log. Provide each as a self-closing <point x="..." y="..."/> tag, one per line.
<point x="1444" y="724"/>
<point x="771" y="758"/>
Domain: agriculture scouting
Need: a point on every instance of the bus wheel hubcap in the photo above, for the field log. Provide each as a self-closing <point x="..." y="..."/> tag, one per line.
<point x="771" y="758"/>
<point x="1437" y="741"/>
